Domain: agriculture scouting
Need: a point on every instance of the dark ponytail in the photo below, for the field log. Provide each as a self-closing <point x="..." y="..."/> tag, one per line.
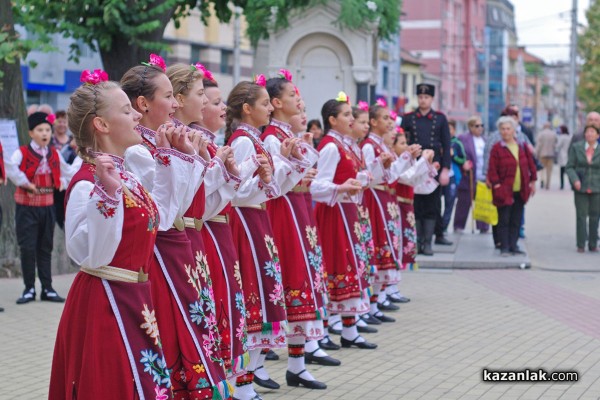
<point x="331" y="108"/>
<point x="243" y="93"/>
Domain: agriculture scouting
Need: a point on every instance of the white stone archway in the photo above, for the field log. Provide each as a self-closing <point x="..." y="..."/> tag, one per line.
<point x="323" y="58"/>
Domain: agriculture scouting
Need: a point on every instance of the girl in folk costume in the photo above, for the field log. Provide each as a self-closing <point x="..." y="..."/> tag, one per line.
<point x="248" y="108"/>
<point x="107" y="343"/>
<point x="295" y="237"/>
<point x="409" y="173"/>
<point x="219" y="186"/>
<point x="337" y="188"/>
<point x="313" y="351"/>
<point x="383" y="214"/>
<point x="181" y="283"/>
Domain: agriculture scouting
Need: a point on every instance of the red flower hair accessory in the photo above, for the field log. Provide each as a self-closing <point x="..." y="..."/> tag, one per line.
<point x="285" y="74"/>
<point x="207" y="74"/>
<point x="342" y="97"/>
<point x="93" y="77"/>
<point x="157" y="61"/>
<point x="260" y="80"/>
<point x="393" y="115"/>
<point x="381" y="102"/>
<point x="363" y="105"/>
<point x="51" y="118"/>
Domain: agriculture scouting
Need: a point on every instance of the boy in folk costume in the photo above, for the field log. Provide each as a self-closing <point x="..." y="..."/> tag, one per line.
<point x="37" y="169"/>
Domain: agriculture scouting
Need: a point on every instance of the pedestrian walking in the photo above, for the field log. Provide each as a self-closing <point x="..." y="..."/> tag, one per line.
<point x="545" y="151"/>
<point x="562" y="152"/>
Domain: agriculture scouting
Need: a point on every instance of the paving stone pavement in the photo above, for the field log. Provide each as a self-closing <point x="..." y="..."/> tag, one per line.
<point x="458" y="322"/>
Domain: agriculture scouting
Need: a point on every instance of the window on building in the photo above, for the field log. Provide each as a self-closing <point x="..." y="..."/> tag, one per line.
<point x="404" y="78"/>
<point x="385" y="77"/>
<point x="226" y="66"/>
<point x="197" y="53"/>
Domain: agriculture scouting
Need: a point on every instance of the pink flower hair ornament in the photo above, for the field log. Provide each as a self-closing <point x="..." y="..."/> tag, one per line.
<point x="51" y="118"/>
<point x="342" y="97"/>
<point x="393" y="115"/>
<point x="157" y="61"/>
<point x="381" y="102"/>
<point x="260" y="80"/>
<point x="207" y="74"/>
<point x="285" y="74"/>
<point x="363" y="105"/>
<point x="93" y="77"/>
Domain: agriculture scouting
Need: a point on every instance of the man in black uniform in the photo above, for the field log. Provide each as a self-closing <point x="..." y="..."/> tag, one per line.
<point x="430" y="129"/>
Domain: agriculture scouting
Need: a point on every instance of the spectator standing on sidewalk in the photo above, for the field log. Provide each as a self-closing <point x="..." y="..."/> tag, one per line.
<point x="583" y="169"/>
<point x="544" y="150"/>
<point x="562" y="152"/>
<point x="592" y="118"/>
<point x="449" y="192"/>
<point x="474" y="147"/>
<point x="512" y="175"/>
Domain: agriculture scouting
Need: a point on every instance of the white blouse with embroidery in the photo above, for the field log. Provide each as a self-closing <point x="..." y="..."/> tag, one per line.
<point x="93" y="234"/>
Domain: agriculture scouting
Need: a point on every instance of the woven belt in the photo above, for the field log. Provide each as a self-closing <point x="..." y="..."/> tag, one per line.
<point x="261" y="206"/>
<point x="404" y="200"/>
<point x="384" y="188"/>
<point x="222" y="219"/>
<point x="193" y="223"/>
<point x="300" y="189"/>
<point x="45" y="190"/>
<point x="116" y="274"/>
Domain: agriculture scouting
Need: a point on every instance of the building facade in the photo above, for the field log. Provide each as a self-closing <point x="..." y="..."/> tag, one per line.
<point x="448" y="37"/>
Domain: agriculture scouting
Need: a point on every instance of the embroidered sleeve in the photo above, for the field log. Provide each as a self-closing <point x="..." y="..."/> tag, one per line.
<point x="322" y="187"/>
<point x="164" y="156"/>
<point x="93" y="224"/>
<point x="13" y="172"/>
<point x="140" y="162"/>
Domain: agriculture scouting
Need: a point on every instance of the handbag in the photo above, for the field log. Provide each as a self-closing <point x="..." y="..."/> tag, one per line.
<point x="484" y="209"/>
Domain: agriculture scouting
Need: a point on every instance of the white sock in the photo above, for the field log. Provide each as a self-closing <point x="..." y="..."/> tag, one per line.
<point x="334" y="318"/>
<point x="351" y="333"/>
<point x="391" y="289"/>
<point x="262" y="373"/>
<point x="313" y="346"/>
<point x="382" y="296"/>
<point x="245" y="392"/>
<point x="360" y="322"/>
<point x="296" y="364"/>
<point x="374" y="309"/>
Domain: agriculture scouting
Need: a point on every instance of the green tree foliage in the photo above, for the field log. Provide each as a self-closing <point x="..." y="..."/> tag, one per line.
<point x="127" y="31"/>
<point x="265" y="16"/>
<point x="589" y="50"/>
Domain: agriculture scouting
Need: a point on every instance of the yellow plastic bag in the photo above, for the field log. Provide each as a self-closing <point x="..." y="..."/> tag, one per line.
<point x="484" y="210"/>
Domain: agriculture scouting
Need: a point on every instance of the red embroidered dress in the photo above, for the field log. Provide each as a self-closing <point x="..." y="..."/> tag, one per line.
<point x="384" y="215"/>
<point x="405" y="196"/>
<point x="345" y="237"/>
<point x="259" y="258"/>
<point x="108" y="345"/>
<point x="222" y="258"/>
<point x="300" y="253"/>
<point x="183" y="295"/>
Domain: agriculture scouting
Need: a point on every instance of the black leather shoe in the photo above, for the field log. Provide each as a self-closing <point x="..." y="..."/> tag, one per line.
<point x="51" y="295"/>
<point x="387" y="306"/>
<point x="384" y="318"/>
<point x="310" y="358"/>
<point x="361" y="345"/>
<point x="366" y="329"/>
<point x="395" y="298"/>
<point x="1" y="309"/>
<point x="369" y="319"/>
<point x="267" y="384"/>
<point x="443" y="241"/>
<point x="295" y="380"/>
<point x="334" y="331"/>
<point x="27" y="296"/>
<point x="272" y="356"/>
<point x="328" y="344"/>
<point x="517" y="251"/>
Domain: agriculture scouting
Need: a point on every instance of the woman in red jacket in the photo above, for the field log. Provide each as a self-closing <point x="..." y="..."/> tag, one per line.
<point x="512" y="175"/>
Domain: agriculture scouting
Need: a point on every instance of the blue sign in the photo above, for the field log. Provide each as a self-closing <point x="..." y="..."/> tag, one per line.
<point x="527" y="115"/>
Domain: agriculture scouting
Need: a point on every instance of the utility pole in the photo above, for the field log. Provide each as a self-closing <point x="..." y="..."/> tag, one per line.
<point x="486" y="81"/>
<point x="236" y="45"/>
<point x="572" y="97"/>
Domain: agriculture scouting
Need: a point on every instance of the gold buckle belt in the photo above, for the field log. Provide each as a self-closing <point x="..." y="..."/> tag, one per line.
<point x="116" y="274"/>
<point x="222" y="219"/>
<point x="300" y="189"/>
<point x="181" y="223"/>
<point x="384" y="188"/>
<point x="404" y="200"/>
<point x="45" y="190"/>
<point x="261" y="206"/>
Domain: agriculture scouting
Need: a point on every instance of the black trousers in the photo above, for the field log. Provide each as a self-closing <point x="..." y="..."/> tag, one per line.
<point x="35" y="234"/>
<point x="509" y="223"/>
<point x="59" y="208"/>
<point x="429" y="206"/>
